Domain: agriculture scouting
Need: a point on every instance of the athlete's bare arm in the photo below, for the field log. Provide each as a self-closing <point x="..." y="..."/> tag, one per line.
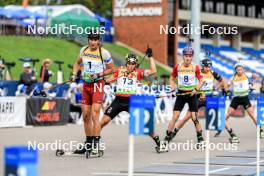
<point x="152" y="68"/>
<point x="76" y="66"/>
<point x="200" y="84"/>
<point x="109" y="69"/>
<point x="172" y="82"/>
<point x="255" y="78"/>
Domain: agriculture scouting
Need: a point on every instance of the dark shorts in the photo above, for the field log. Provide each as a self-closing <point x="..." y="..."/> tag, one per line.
<point x="118" y="105"/>
<point x="201" y="104"/>
<point x="93" y="93"/>
<point x="244" y="101"/>
<point x="182" y="99"/>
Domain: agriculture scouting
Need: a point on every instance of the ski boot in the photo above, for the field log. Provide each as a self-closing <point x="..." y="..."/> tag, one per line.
<point x="81" y="149"/>
<point x="200" y="141"/>
<point x="218" y="133"/>
<point x="95" y="151"/>
<point x="170" y="135"/>
<point x="261" y="131"/>
<point x="162" y="146"/>
<point x="233" y="138"/>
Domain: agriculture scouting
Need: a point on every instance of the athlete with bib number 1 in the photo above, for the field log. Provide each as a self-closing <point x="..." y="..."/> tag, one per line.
<point x="187" y="75"/>
<point x="241" y="88"/>
<point x="97" y="63"/>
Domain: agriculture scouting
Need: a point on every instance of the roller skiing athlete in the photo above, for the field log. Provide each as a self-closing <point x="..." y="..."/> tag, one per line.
<point x="187" y="75"/>
<point x="241" y="88"/>
<point x="207" y="89"/>
<point x="97" y="63"/>
<point x="127" y="79"/>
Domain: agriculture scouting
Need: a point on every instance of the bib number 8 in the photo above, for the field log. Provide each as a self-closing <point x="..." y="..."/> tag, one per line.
<point x="185" y="78"/>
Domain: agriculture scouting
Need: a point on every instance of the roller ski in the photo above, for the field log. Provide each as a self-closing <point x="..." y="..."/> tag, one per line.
<point x="233" y="138"/>
<point x="81" y="150"/>
<point x="94" y="153"/>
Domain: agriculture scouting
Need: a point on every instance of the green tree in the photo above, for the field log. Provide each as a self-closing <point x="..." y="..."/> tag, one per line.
<point x="103" y="7"/>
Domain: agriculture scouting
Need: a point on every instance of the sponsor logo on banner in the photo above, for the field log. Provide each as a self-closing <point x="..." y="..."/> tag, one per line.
<point x="12" y="111"/>
<point x="48" y="105"/>
<point x="7" y="111"/>
<point x="121" y="8"/>
<point x="46" y="114"/>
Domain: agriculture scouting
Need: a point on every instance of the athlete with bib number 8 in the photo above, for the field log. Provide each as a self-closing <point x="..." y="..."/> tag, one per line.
<point x="187" y="75"/>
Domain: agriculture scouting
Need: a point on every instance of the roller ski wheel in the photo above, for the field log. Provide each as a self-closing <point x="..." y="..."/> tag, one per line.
<point x="161" y="150"/>
<point x="233" y="140"/>
<point x="96" y="154"/>
<point x="59" y="152"/>
<point x="200" y="145"/>
<point x="87" y="154"/>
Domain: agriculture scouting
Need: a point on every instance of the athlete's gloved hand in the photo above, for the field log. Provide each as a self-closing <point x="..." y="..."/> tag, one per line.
<point x="95" y="76"/>
<point x="202" y="97"/>
<point x="73" y="77"/>
<point x="226" y="92"/>
<point x="174" y="93"/>
<point x="251" y="87"/>
<point x="194" y="92"/>
<point x="126" y="73"/>
<point x="149" y="52"/>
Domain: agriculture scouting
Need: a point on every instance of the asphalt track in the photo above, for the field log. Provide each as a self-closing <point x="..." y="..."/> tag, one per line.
<point x="115" y="159"/>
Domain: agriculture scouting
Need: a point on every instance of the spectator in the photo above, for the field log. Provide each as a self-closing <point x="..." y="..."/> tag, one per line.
<point x="45" y="73"/>
<point x="28" y="77"/>
<point x="2" y="70"/>
<point x="262" y="86"/>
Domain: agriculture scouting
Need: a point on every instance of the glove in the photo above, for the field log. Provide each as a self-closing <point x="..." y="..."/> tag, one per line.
<point x="95" y="76"/>
<point x="73" y="78"/>
<point x="149" y="52"/>
<point x="202" y="97"/>
<point x="173" y="93"/>
<point x="126" y="73"/>
<point x="194" y="92"/>
<point x="251" y="87"/>
<point x="226" y="92"/>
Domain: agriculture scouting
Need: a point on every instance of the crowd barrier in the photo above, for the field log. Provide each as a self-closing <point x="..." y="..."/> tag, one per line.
<point x="21" y="111"/>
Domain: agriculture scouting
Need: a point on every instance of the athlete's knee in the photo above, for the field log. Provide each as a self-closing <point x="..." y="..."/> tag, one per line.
<point x="105" y="121"/>
<point x="87" y="118"/>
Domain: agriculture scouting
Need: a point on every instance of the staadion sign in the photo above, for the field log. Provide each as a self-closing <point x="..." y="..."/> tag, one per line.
<point x="135" y="8"/>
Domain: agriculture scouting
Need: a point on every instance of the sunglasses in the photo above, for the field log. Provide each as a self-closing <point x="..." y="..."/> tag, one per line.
<point x="131" y="63"/>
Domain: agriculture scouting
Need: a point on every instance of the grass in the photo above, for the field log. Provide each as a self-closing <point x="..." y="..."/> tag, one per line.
<point x="119" y="52"/>
<point x="14" y="47"/>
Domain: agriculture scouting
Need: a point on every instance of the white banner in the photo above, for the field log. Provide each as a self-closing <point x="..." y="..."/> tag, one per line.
<point x="12" y="111"/>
